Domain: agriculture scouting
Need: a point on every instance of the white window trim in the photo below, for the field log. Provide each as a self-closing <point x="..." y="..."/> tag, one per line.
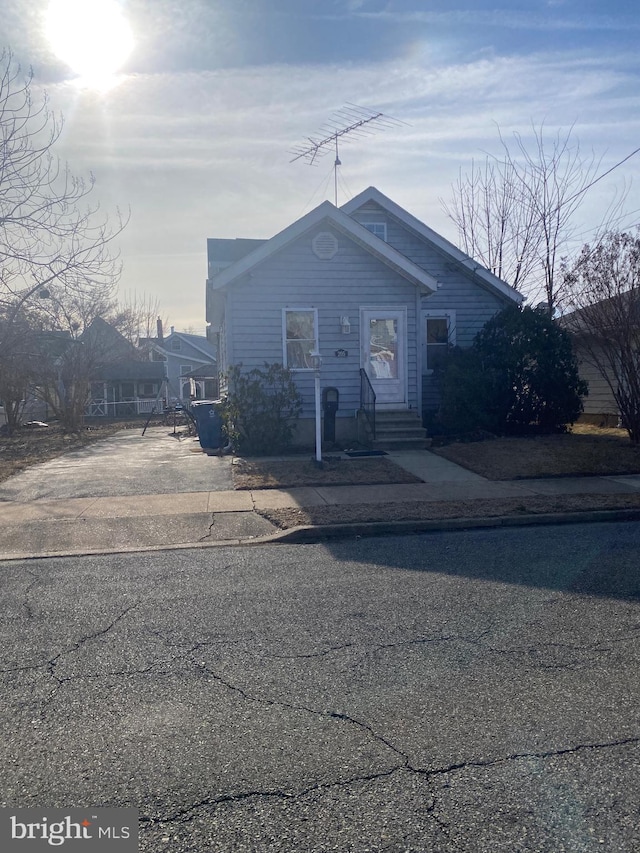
<point x="289" y="308"/>
<point x="368" y="225"/>
<point x="450" y="315"/>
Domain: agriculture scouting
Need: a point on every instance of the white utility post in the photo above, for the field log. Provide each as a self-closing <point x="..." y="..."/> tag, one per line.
<point x="317" y="362"/>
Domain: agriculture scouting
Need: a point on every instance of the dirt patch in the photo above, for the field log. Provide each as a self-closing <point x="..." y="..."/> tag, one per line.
<point x="32" y="445"/>
<point x="285" y="519"/>
<point x="272" y="474"/>
<point x="583" y="452"/>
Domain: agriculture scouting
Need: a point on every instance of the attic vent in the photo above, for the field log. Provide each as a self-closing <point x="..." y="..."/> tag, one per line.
<point x="324" y="245"/>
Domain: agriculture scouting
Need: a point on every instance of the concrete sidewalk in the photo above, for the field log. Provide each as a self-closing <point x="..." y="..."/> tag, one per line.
<point x="120" y="523"/>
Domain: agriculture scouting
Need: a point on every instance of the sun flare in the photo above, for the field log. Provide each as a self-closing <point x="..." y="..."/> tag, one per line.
<point x="91" y="36"/>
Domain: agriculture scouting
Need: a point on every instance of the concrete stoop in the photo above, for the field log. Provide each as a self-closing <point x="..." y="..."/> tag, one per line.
<point x="401" y="430"/>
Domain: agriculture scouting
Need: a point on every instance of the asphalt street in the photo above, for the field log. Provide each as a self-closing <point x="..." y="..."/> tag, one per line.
<point x="470" y="691"/>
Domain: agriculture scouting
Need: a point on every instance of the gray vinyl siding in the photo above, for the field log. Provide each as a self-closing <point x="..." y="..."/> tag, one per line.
<point x="473" y="302"/>
<point x="295" y="277"/>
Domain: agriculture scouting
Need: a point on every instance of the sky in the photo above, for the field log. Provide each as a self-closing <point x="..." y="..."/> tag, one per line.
<point x="194" y="137"/>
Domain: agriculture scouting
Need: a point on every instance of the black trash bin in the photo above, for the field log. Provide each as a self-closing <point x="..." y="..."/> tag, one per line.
<point x="209" y="423"/>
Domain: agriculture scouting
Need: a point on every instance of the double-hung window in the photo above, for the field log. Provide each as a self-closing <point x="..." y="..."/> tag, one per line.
<point x="439" y="335"/>
<point x="299" y="337"/>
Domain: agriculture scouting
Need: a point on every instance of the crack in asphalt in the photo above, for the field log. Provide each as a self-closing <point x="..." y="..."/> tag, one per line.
<point x="523" y="651"/>
<point x="53" y="662"/>
<point x="188" y="812"/>
<point x="519" y="756"/>
<point x="336" y="715"/>
<point x="599" y="646"/>
<point x="25" y="602"/>
<point x="307" y="655"/>
<point x="383" y="646"/>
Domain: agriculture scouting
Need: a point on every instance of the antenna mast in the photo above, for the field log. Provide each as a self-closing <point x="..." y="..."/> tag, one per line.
<point x="351" y="119"/>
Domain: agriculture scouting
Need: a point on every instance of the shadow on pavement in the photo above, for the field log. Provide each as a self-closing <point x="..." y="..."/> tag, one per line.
<point x="595" y="559"/>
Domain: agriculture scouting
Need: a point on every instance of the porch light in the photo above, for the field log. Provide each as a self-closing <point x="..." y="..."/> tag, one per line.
<point x="345" y="325"/>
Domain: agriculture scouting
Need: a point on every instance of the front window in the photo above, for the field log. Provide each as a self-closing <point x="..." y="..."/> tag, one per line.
<point x="439" y="336"/>
<point x="147" y="389"/>
<point x="300" y="331"/>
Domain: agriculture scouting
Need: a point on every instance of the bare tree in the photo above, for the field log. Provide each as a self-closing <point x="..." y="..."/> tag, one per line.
<point x="18" y="364"/>
<point x="516" y="211"/>
<point x="604" y="316"/>
<point x="50" y="231"/>
<point x="136" y="317"/>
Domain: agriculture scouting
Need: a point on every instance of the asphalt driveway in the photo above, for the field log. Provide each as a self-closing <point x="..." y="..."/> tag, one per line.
<point x="126" y="464"/>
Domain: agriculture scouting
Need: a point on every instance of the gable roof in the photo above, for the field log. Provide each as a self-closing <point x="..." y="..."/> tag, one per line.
<point x="327" y="212"/>
<point x="198" y="342"/>
<point x="221" y="250"/>
<point x="374" y="195"/>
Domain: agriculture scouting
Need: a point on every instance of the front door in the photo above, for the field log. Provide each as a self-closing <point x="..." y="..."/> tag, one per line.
<point x="384" y="354"/>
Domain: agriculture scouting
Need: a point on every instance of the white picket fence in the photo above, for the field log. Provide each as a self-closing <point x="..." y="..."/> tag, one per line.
<point x="123" y="409"/>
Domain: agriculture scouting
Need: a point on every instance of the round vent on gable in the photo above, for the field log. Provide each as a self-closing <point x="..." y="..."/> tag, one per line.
<point x="325" y="245"/>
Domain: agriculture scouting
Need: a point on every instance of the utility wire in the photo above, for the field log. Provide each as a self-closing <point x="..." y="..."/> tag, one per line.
<point x="599" y="178"/>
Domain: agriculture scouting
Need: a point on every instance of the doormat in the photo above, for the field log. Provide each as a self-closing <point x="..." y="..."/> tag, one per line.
<point x="358" y="453"/>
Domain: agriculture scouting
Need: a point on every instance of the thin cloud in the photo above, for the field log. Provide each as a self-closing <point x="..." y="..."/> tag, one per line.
<point x="506" y="19"/>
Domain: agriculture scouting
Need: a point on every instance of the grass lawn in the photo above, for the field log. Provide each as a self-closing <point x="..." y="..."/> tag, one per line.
<point x="273" y="474"/>
<point x="585" y="451"/>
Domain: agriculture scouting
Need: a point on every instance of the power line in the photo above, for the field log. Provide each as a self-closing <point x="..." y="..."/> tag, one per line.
<point x="599" y="178"/>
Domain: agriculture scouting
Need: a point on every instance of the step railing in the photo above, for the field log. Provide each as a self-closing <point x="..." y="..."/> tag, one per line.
<point x="368" y="401"/>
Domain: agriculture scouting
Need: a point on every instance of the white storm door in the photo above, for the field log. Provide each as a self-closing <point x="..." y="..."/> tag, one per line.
<point x="384" y="348"/>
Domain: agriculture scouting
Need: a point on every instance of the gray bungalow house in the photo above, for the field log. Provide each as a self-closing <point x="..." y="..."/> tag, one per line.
<point x="376" y="292"/>
<point x="190" y="367"/>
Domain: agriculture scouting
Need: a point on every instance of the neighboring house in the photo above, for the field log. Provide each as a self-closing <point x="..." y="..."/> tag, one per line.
<point x="378" y="293"/>
<point x="600" y="406"/>
<point x="122" y="384"/>
<point x="189" y="362"/>
<point x="606" y="339"/>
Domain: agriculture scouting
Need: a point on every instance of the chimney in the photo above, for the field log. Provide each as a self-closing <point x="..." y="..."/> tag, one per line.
<point x="159" y="328"/>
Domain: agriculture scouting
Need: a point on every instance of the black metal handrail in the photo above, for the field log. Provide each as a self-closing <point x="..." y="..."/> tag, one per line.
<point x="368" y="401"/>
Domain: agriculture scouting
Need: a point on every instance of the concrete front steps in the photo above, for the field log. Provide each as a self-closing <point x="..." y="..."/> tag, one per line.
<point x="401" y="430"/>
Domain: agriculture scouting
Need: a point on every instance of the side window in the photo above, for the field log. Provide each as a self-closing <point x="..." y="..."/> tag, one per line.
<point x="439" y="336"/>
<point x="300" y="337"/>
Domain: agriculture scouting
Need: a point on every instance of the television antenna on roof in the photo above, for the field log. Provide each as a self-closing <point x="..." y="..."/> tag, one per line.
<point x="351" y="121"/>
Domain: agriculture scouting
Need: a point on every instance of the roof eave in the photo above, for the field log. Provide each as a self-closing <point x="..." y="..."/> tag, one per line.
<point x="456" y="254"/>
